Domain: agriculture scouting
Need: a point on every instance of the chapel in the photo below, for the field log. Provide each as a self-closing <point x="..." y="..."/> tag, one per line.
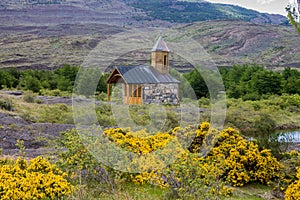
<point x="151" y="84"/>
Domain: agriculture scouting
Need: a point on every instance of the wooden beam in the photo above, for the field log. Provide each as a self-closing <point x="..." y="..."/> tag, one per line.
<point x="128" y="95"/>
<point x="108" y="92"/>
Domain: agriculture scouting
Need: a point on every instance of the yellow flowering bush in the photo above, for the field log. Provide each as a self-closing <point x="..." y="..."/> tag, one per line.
<point x="293" y="191"/>
<point x="288" y="174"/>
<point x="189" y="177"/>
<point x="243" y="161"/>
<point x="143" y="143"/>
<point x="139" y="142"/>
<point x="239" y="161"/>
<point x="232" y="160"/>
<point x="193" y="177"/>
<point x="36" y="179"/>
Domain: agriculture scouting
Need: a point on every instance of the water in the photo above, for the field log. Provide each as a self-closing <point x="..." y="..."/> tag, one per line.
<point x="292" y="136"/>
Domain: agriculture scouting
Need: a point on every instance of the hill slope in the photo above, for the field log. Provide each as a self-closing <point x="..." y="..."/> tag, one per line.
<point x="236" y="42"/>
<point x="227" y="42"/>
<point x="49" y="33"/>
<point x="128" y="12"/>
<point x="187" y="11"/>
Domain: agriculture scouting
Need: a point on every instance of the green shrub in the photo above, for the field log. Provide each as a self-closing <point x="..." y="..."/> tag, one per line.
<point x="6" y="104"/>
<point x="29" y="97"/>
<point x="81" y="166"/>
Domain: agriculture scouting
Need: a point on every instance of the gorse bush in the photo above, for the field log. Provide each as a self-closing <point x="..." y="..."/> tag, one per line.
<point x="233" y="159"/>
<point x="293" y="191"/>
<point x="36" y="179"/>
<point x="242" y="161"/>
<point x="288" y="174"/>
<point x="138" y="142"/>
<point x="188" y="177"/>
<point x="144" y="144"/>
<point x="192" y="177"/>
<point x="230" y="160"/>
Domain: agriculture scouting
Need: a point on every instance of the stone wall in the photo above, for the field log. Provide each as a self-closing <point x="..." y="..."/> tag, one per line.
<point x="161" y="93"/>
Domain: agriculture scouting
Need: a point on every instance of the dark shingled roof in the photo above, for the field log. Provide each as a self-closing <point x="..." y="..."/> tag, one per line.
<point x="144" y="74"/>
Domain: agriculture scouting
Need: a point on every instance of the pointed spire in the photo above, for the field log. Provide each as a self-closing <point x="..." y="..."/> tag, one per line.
<point x="160" y="45"/>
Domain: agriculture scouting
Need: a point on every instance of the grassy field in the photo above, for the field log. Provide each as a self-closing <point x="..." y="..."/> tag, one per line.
<point x="130" y="191"/>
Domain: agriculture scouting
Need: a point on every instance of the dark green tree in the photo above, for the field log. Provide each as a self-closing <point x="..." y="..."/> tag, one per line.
<point x="197" y="83"/>
<point x="266" y="82"/>
<point x="30" y="83"/>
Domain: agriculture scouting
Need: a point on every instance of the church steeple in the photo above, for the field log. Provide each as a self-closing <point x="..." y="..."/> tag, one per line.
<point x="160" y="56"/>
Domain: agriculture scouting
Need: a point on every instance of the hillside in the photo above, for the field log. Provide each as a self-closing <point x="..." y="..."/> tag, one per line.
<point x="227" y="42"/>
<point x="127" y="12"/>
<point x="50" y="33"/>
<point x="192" y="11"/>
<point x="238" y="42"/>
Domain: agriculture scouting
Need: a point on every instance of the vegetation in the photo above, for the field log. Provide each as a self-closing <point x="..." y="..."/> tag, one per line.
<point x="292" y="16"/>
<point x="249" y="154"/>
<point x="293" y="191"/>
<point x="187" y="12"/>
<point x="36" y="179"/>
<point x="43" y="81"/>
<point x="250" y="82"/>
<point x="232" y="161"/>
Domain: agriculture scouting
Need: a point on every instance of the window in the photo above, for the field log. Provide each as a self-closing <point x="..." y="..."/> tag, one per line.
<point x="165" y="60"/>
<point x="137" y="91"/>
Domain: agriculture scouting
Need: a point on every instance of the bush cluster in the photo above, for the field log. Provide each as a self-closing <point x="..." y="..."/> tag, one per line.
<point x="242" y="161"/>
<point x="232" y="160"/>
<point x="36" y="179"/>
<point x="138" y="142"/>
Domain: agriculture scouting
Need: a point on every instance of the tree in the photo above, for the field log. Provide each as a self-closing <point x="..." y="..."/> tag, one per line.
<point x="266" y="82"/>
<point x="290" y="81"/>
<point x="6" y="80"/>
<point x="102" y="86"/>
<point x="197" y="83"/>
<point x="87" y="81"/>
<point x="30" y="83"/>
<point x="293" y="15"/>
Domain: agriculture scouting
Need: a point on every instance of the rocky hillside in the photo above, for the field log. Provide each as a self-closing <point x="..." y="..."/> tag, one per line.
<point x="128" y="12"/>
<point x="236" y="42"/>
<point x="227" y="43"/>
<point x="51" y="33"/>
